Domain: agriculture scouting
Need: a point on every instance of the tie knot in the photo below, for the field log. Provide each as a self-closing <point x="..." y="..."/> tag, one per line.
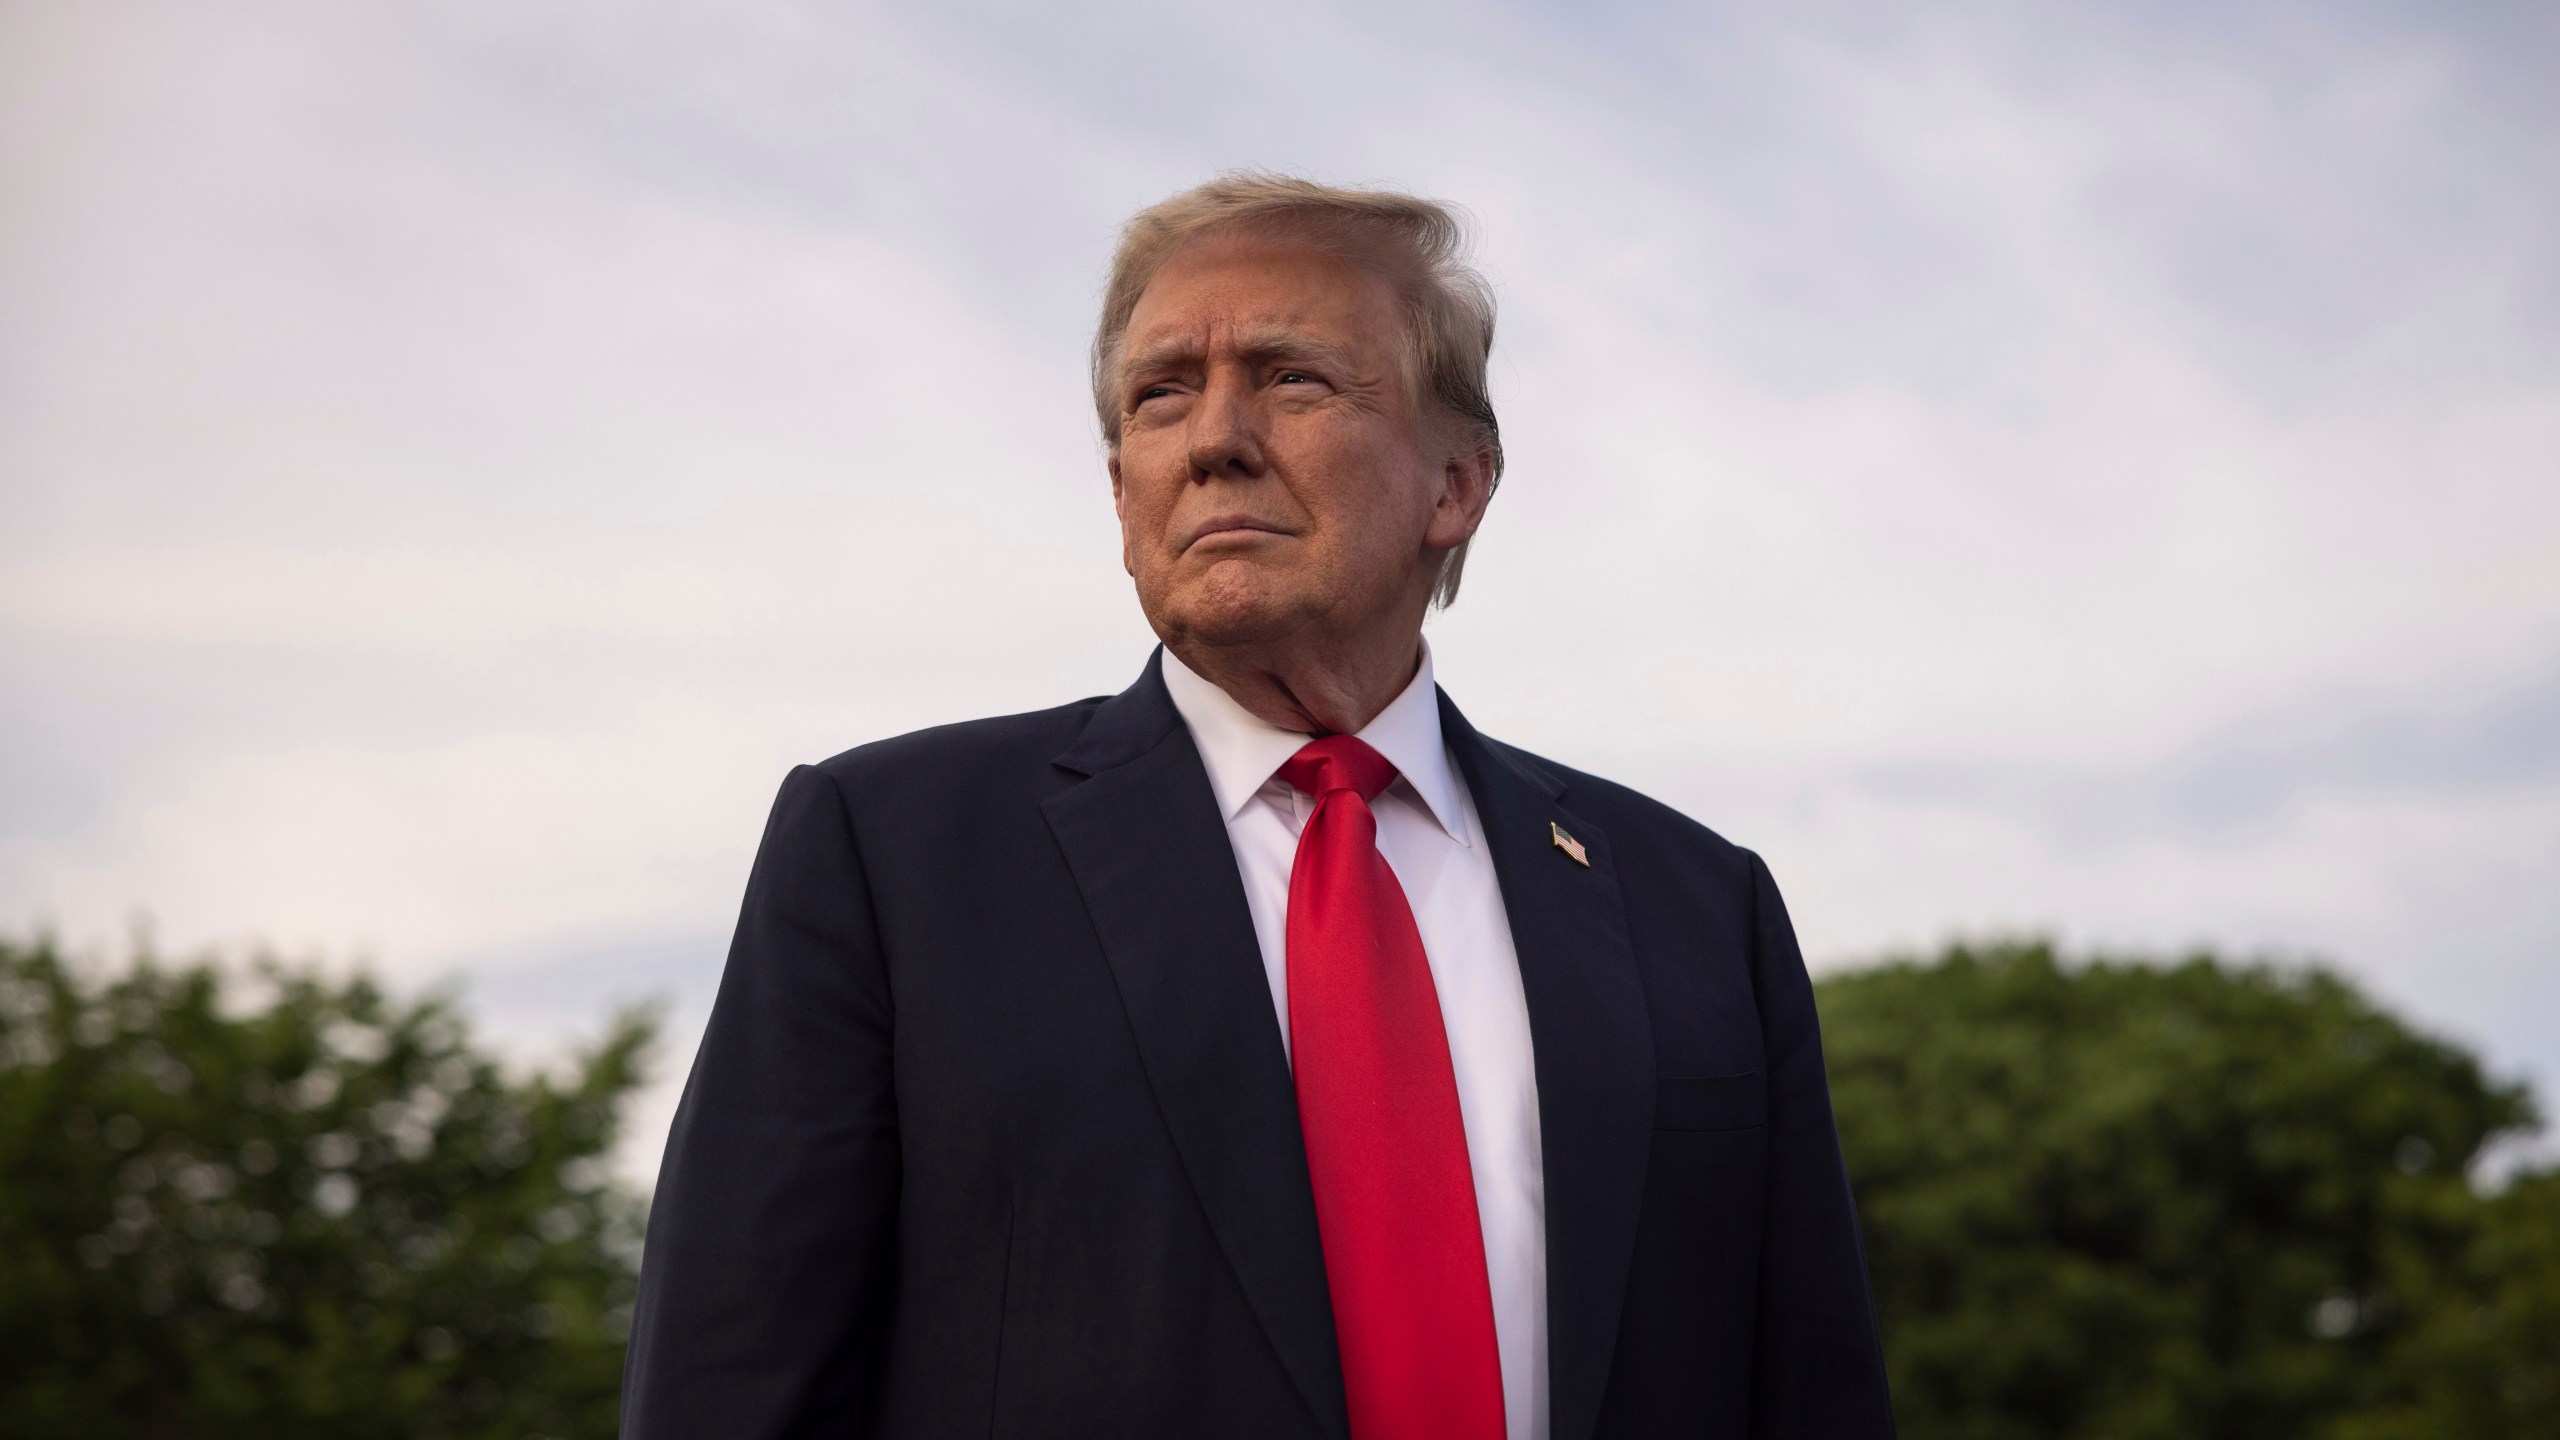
<point x="1339" y="762"/>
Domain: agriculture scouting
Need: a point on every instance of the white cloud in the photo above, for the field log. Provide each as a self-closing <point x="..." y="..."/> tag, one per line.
<point x="451" y="463"/>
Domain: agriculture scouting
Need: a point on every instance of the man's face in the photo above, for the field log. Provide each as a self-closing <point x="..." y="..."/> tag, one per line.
<point x="1272" y="477"/>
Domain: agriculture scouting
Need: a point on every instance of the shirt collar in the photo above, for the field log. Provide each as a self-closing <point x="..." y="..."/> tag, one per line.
<point x="1242" y="751"/>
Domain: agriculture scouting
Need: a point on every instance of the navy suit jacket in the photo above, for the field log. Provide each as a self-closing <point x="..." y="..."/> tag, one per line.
<point x="992" y="1132"/>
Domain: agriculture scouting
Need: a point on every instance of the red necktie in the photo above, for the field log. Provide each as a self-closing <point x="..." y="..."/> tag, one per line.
<point x="1395" y="1200"/>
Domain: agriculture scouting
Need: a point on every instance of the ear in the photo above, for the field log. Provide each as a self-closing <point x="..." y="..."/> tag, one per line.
<point x="1120" y="508"/>
<point x="1466" y="488"/>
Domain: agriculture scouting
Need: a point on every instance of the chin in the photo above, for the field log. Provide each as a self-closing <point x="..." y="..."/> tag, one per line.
<point x="1222" y="610"/>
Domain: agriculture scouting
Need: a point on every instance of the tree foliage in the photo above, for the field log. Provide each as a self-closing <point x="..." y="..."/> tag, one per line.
<point x="2102" y="1199"/>
<point x="2192" y="1201"/>
<point x="307" y="1212"/>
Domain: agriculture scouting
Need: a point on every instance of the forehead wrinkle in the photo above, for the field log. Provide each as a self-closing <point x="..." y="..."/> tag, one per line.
<point x="1280" y="341"/>
<point x="1252" y="341"/>
<point x="1160" y="353"/>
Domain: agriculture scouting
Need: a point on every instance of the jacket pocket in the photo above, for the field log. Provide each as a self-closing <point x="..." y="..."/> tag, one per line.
<point x="1711" y="1102"/>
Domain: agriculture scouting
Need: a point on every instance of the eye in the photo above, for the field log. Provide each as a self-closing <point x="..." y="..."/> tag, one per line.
<point x="1293" y="377"/>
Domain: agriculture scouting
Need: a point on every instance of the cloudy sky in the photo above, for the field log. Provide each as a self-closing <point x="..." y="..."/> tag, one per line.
<point x="2080" y="469"/>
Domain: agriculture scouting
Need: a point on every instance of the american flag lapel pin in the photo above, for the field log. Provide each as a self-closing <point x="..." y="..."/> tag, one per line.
<point x="1569" y="845"/>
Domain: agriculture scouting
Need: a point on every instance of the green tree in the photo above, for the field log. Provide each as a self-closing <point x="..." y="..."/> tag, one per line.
<point x="2197" y="1200"/>
<point x="2483" y="1359"/>
<point x="307" y="1211"/>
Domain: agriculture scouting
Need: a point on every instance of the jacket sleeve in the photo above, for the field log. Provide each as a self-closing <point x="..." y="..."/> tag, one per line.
<point x="764" y="1284"/>
<point x="1818" y="1365"/>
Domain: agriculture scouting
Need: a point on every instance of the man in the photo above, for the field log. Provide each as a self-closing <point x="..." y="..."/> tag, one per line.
<point x="1260" y="1051"/>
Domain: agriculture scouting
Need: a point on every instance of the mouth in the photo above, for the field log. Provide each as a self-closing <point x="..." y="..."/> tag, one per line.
<point x="1230" y="529"/>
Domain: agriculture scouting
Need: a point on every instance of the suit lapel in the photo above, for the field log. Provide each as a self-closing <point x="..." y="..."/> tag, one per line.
<point x="1145" y="841"/>
<point x="1594" y="1047"/>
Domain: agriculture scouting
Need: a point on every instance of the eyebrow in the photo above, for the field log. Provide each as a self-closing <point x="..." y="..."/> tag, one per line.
<point x="1254" y="343"/>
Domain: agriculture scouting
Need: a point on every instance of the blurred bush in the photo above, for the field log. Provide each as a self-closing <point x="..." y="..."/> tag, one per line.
<point x="2197" y="1200"/>
<point x="278" y="1205"/>
<point x="2102" y="1199"/>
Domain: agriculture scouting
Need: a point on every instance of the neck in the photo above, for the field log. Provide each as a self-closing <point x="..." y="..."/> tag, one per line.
<point x="1336" y="685"/>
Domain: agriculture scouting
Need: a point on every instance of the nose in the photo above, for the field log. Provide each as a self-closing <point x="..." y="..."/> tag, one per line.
<point x="1226" y="438"/>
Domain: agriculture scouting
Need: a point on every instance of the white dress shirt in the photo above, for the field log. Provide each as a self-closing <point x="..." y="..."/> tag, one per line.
<point x="1429" y="833"/>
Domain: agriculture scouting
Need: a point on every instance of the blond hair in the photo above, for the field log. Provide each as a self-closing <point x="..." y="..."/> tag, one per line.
<point x="1419" y="246"/>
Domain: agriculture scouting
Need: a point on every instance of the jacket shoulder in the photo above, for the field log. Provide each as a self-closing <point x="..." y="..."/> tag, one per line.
<point x="1001" y="745"/>
<point x="1626" y="813"/>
